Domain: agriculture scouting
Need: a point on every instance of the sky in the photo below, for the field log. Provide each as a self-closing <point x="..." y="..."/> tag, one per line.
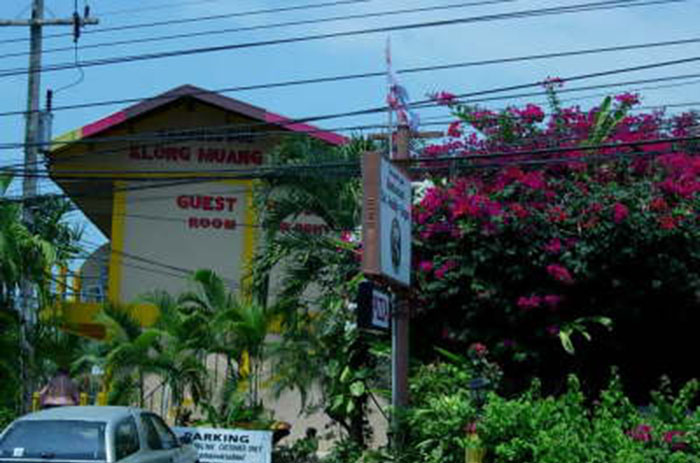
<point x="338" y="56"/>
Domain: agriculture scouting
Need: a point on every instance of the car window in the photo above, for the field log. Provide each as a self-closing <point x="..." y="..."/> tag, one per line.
<point x="55" y="439"/>
<point x="126" y="438"/>
<point x="167" y="437"/>
<point x="152" y="437"/>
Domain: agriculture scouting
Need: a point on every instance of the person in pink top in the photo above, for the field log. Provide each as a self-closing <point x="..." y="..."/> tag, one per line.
<point x="59" y="391"/>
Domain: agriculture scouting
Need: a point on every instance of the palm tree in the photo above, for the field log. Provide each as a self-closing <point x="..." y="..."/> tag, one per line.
<point x="236" y="329"/>
<point x="320" y="274"/>
<point x="180" y="349"/>
<point x="126" y="355"/>
<point x="25" y="254"/>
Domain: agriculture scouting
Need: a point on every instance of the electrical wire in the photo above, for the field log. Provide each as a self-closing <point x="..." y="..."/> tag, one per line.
<point x="345" y="167"/>
<point x="157" y="263"/>
<point x="584" y="7"/>
<point x="271" y="26"/>
<point x="231" y="15"/>
<point x="339" y="78"/>
<point x="418" y="104"/>
<point x="155" y="7"/>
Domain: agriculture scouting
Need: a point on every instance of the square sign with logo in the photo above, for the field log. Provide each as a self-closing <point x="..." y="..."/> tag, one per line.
<point x="374" y="308"/>
<point x="386" y="220"/>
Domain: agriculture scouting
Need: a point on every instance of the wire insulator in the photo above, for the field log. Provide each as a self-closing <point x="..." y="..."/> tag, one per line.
<point x="77" y="23"/>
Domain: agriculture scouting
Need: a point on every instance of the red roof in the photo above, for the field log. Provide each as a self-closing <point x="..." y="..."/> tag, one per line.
<point x="212" y="98"/>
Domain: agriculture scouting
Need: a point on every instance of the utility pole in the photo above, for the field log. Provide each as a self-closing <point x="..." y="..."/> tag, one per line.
<point x="31" y="150"/>
<point x="400" y="320"/>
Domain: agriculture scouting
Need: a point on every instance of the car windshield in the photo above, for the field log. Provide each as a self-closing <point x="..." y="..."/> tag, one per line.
<point x="64" y="439"/>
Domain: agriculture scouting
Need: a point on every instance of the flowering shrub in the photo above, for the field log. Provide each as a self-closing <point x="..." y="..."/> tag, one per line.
<point x="540" y="227"/>
<point x="532" y="428"/>
<point x="444" y="420"/>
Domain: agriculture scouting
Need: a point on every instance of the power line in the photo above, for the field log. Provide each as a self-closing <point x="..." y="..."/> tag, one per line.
<point x="584" y="7"/>
<point x="419" y="104"/>
<point x="587" y="87"/>
<point x="478" y="93"/>
<point x="272" y="26"/>
<point x="155" y="7"/>
<point x="275" y="171"/>
<point x="210" y="17"/>
<point x="159" y="139"/>
<point x="337" y="78"/>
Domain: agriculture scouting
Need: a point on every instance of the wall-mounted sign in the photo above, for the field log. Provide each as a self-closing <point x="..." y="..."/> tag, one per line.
<point x="373" y="308"/>
<point x="386" y="225"/>
<point x="229" y="445"/>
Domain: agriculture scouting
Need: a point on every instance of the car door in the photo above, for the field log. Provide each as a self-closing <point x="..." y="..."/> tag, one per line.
<point x="125" y="441"/>
<point x="176" y="453"/>
<point x="155" y="451"/>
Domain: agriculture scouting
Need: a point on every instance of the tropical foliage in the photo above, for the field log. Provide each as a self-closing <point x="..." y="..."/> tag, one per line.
<point x="26" y="252"/>
<point x="446" y="420"/>
<point x="320" y="344"/>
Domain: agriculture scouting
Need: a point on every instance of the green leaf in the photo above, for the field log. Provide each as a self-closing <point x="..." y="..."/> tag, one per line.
<point x="345" y="375"/>
<point x="357" y="389"/>
<point x="566" y="343"/>
<point x="337" y="402"/>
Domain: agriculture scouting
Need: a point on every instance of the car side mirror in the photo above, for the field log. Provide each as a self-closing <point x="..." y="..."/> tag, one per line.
<point x="185" y="439"/>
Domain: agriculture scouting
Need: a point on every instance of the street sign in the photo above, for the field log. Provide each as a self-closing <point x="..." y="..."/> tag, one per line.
<point x="373" y="308"/>
<point x="229" y="445"/>
<point x="386" y="220"/>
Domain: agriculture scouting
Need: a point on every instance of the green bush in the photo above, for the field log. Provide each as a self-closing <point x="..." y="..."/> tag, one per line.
<point x="531" y="428"/>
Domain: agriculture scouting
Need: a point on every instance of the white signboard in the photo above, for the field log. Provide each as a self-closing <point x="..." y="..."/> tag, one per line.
<point x="229" y="445"/>
<point x="395" y="223"/>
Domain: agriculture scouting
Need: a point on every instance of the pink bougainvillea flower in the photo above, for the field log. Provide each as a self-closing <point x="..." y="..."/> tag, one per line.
<point x="552" y="300"/>
<point x="529" y="302"/>
<point x="641" y="433"/>
<point x="444" y="98"/>
<point x="554" y="246"/>
<point x="595" y="207"/>
<point x="534" y="180"/>
<point x="553" y="82"/>
<point x="470" y="428"/>
<point x="557" y="214"/>
<point x="560" y="273"/>
<point x="667" y="222"/>
<point x="454" y="129"/>
<point x="478" y="349"/>
<point x="347" y="236"/>
<point x="532" y="113"/>
<point x="658" y="205"/>
<point x="444" y="268"/>
<point x="518" y="210"/>
<point x="425" y="266"/>
<point x="629" y="99"/>
<point x="620" y="212"/>
<point x="673" y="438"/>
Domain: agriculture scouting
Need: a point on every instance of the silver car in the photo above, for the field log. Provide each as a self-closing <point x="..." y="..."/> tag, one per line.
<point x="92" y="434"/>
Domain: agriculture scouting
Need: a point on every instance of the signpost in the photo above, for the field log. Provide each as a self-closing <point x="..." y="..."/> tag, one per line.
<point x="229" y="445"/>
<point x="386" y="232"/>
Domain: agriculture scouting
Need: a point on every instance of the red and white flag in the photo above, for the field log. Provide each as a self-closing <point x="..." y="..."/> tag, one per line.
<point x="397" y="95"/>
